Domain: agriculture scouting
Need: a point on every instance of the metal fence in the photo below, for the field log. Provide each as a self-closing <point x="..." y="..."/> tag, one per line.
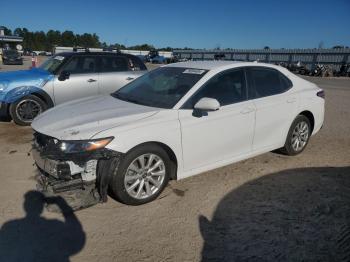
<point x="310" y="57"/>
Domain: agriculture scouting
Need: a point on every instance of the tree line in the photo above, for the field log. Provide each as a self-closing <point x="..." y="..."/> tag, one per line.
<point x="45" y="41"/>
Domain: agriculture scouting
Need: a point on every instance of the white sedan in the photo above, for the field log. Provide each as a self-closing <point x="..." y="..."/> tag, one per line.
<point x="174" y="122"/>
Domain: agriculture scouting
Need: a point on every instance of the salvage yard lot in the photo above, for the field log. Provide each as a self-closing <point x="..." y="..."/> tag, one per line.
<point x="270" y="207"/>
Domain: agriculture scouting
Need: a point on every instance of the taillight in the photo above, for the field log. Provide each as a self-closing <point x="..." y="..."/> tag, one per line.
<point x="321" y="94"/>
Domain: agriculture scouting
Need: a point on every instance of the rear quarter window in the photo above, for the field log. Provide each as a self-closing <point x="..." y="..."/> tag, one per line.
<point x="267" y="82"/>
<point x="136" y="64"/>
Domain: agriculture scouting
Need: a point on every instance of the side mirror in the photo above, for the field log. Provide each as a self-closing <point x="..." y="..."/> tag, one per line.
<point x="63" y="75"/>
<point x="207" y="104"/>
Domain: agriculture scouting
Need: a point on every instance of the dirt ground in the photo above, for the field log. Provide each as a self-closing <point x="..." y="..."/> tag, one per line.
<point x="268" y="208"/>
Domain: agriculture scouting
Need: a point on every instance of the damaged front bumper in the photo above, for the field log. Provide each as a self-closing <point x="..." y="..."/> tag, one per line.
<point x="76" y="177"/>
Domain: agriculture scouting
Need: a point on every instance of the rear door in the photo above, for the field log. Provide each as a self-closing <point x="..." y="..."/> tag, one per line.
<point x="116" y="71"/>
<point x="276" y="104"/>
<point x="82" y="81"/>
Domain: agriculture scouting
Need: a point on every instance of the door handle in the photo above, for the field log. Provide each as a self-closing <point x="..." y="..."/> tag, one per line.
<point x="129" y="78"/>
<point x="291" y="100"/>
<point x="91" y="80"/>
<point x="247" y="110"/>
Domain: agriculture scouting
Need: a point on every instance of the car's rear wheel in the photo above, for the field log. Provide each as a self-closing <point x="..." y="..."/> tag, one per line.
<point x="141" y="176"/>
<point x="26" y="109"/>
<point x="298" y="136"/>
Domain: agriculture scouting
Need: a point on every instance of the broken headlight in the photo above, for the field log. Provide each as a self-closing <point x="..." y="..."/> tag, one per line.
<point x="80" y="146"/>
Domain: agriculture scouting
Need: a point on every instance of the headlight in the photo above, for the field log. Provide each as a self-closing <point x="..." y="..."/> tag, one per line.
<point x="81" y="146"/>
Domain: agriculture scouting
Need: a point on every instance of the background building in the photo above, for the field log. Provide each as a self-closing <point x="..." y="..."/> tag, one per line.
<point x="9" y="41"/>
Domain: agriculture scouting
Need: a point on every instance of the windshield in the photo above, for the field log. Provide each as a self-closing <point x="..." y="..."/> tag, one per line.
<point x="11" y="53"/>
<point x="162" y="87"/>
<point x="52" y="63"/>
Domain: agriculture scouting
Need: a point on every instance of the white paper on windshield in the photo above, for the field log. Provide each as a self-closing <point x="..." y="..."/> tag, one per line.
<point x="194" y="71"/>
<point x="60" y="58"/>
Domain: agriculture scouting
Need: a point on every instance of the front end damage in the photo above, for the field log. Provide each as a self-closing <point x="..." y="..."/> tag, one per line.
<point x="80" y="178"/>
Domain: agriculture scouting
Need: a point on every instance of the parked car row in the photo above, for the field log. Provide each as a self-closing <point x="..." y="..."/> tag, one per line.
<point x="27" y="93"/>
<point x="319" y="70"/>
<point x="136" y="131"/>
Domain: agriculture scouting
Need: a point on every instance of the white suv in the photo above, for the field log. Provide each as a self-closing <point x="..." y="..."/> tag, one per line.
<point x="173" y="122"/>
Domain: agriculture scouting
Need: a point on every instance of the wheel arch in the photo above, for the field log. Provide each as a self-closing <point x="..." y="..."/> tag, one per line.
<point x="45" y="97"/>
<point x="18" y="93"/>
<point x="309" y="115"/>
<point x="169" y="151"/>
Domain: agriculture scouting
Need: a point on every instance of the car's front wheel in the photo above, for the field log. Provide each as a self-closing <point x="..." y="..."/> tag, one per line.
<point x="142" y="175"/>
<point x="26" y="109"/>
<point x="298" y="136"/>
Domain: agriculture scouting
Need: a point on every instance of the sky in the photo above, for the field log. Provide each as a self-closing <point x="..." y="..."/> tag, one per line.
<point x="197" y="24"/>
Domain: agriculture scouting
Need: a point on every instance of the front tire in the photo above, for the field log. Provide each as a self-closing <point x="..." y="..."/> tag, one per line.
<point x="141" y="176"/>
<point x="26" y="109"/>
<point x="298" y="136"/>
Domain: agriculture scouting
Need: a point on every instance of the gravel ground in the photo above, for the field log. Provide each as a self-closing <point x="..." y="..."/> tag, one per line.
<point x="268" y="208"/>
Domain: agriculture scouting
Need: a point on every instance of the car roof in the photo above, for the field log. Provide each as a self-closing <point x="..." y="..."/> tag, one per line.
<point x="211" y="65"/>
<point x="93" y="53"/>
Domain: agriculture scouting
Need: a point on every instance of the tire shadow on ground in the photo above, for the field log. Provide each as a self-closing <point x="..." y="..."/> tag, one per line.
<point x="293" y="215"/>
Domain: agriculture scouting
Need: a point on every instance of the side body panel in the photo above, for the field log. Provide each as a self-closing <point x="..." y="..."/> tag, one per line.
<point x="112" y="81"/>
<point x="77" y="86"/>
<point x="162" y="127"/>
<point x="274" y="115"/>
<point x="222" y="134"/>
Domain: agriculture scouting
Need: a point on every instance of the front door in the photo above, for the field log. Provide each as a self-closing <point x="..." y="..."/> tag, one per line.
<point x="222" y="134"/>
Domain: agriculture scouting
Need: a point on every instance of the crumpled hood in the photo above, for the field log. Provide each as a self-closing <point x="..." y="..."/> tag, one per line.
<point x="83" y="118"/>
<point x="14" y="82"/>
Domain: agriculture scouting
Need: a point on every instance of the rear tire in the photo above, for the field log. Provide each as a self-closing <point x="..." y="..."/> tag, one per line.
<point x="26" y="109"/>
<point x="298" y="136"/>
<point x="133" y="181"/>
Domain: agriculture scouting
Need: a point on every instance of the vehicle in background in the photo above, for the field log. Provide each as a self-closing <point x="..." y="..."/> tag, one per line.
<point x="25" y="94"/>
<point x="174" y="122"/>
<point x="322" y="70"/>
<point x="11" y="57"/>
<point x="219" y="56"/>
<point x="155" y="58"/>
<point x="344" y="70"/>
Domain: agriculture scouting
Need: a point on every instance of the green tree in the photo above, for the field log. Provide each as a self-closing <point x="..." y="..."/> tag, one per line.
<point x="68" y="38"/>
<point x="53" y="38"/>
<point x="18" y="32"/>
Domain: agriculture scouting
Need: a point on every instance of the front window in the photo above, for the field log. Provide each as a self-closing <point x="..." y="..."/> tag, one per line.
<point x="81" y="65"/>
<point x="227" y="88"/>
<point x="52" y="64"/>
<point x="162" y="87"/>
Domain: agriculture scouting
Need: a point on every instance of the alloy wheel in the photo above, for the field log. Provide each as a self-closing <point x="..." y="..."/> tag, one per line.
<point x="300" y="136"/>
<point x="28" y="109"/>
<point x="145" y="176"/>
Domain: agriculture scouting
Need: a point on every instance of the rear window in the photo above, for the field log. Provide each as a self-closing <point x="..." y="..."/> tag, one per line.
<point x="136" y="64"/>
